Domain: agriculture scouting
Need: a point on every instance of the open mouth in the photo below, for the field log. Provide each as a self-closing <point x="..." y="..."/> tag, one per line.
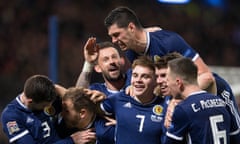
<point x="122" y="45"/>
<point x="139" y="87"/>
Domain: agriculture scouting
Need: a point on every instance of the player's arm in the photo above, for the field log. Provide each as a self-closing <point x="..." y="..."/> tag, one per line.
<point x="90" y="55"/>
<point x="60" y="90"/>
<point x="206" y="80"/>
<point x="15" y="129"/>
<point x="178" y="129"/>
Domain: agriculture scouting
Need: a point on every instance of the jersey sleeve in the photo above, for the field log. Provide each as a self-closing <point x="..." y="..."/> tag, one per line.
<point x="108" y="104"/>
<point x="178" y="128"/>
<point x="67" y="140"/>
<point x="105" y="134"/>
<point x="131" y="55"/>
<point x="14" y="128"/>
<point x="176" y="43"/>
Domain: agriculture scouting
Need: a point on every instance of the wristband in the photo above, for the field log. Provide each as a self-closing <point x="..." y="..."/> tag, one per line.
<point x="87" y="67"/>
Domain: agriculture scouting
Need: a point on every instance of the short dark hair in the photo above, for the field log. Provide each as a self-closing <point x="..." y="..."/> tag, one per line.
<point x="122" y="16"/>
<point x="79" y="99"/>
<point x="162" y="62"/>
<point x="40" y="89"/>
<point x="185" y="68"/>
<point x="107" y="44"/>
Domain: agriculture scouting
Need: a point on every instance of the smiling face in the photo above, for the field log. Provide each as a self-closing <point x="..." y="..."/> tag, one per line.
<point x="109" y="64"/>
<point x="161" y="81"/>
<point x="143" y="81"/>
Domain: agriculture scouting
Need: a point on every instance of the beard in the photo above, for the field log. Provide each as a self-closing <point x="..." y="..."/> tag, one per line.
<point x="110" y="78"/>
<point x="114" y="79"/>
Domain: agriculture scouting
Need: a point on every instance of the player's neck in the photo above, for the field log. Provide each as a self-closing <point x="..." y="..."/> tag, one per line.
<point x="189" y="90"/>
<point x="23" y="99"/>
<point x="88" y="122"/>
<point x="115" y="85"/>
<point x="141" y="42"/>
<point x="144" y="99"/>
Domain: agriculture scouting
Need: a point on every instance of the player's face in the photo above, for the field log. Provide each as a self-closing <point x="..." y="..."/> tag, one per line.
<point x="70" y="116"/>
<point x="172" y="84"/>
<point x="121" y="36"/>
<point x="109" y="63"/>
<point x="161" y="81"/>
<point x="143" y="81"/>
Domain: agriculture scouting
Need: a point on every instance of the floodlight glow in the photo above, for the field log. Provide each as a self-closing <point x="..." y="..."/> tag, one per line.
<point x="175" y="1"/>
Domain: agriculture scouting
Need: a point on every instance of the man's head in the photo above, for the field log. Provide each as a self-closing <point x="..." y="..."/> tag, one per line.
<point x="161" y="72"/>
<point x="109" y="62"/>
<point x="181" y="73"/>
<point x="143" y="76"/>
<point x="39" y="91"/>
<point x="122" y="24"/>
<point x="78" y="110"/>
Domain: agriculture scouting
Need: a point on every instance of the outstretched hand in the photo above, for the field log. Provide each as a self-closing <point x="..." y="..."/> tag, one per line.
<point x="91" y="50"/>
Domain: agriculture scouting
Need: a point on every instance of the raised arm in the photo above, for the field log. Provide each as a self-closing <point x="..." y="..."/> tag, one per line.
<point x="90" y="55"/>
<point x="206" y="80"/>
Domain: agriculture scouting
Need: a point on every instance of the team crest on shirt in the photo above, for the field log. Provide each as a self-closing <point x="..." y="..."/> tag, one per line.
<point x="157" y="116"/>
<point x="156" y="58"/>
<point x="12" y="127"/>
<point x="50" y="110"/>
<point x="158" y="109"/>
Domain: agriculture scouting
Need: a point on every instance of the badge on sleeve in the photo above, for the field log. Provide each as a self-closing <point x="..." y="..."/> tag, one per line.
<point x="12" y="127"/>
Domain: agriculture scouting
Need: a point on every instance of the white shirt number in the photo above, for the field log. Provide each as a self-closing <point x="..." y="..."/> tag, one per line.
<point x="142" y="118"/>
<point x="46" y="129"/>
<point x="217" y="135"/>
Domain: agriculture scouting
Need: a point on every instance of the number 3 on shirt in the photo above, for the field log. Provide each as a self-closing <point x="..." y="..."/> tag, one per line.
<point x="46" y="129"/>
<point x="217" y="135"/>
<point x="142" y="118"/>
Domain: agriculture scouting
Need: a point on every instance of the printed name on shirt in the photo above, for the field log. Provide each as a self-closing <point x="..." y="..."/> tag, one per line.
<point x="204" y="104"/>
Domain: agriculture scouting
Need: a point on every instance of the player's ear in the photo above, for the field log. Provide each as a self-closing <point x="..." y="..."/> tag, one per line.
<point x="97" y="68"/>
<point x="83" y="113"/>
<point x="131" y="26"/>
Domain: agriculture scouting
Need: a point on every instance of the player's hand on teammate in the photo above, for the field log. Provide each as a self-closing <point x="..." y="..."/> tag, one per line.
<point x="83" y="137"/>
<point x="95" y="95"/>
<point x="110" y="121"/>
<point x="168" y="118"/>
<point x="129" y="90"/>
<point x="91" y="50"/>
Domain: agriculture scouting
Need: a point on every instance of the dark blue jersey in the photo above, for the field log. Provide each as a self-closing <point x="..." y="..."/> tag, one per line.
<point x="163" y="42"/>
<point x="23" y="126"/>
<point x="201" y="118"/>
<point x="102" y="87"/>
<point x="104" y="134"/>
<point x="225" y="92"/>
<point x="136" y="123"/>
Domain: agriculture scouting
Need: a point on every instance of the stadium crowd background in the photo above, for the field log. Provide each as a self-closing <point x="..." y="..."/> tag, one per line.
<point x="213" y="31"/>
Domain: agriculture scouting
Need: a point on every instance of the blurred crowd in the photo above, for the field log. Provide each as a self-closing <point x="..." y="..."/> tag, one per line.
<point x="213" y="31"/>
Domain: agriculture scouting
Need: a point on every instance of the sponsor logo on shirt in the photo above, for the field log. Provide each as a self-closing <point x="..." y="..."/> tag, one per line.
<point x="157" y="116"/>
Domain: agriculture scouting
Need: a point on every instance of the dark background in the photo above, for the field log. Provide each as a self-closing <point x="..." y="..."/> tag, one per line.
<point x="214" y="31"/>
